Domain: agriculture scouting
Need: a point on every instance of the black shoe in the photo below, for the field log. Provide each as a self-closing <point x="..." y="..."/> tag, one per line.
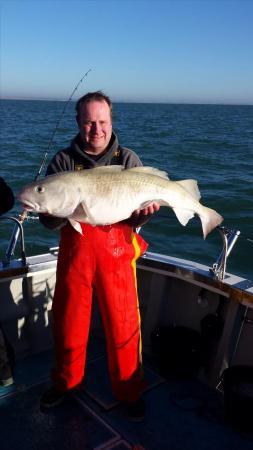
<point x="136" y="410"/>
<point x="6" y="378"/>
<point x="6" y="381"/>
<point x="52" y="397"/>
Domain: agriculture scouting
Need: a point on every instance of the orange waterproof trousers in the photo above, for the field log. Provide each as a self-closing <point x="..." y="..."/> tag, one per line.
<point x="101" y="260"/>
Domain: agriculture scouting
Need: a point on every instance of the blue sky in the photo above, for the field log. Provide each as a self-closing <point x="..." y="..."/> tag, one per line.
<point x="173" y="51"/>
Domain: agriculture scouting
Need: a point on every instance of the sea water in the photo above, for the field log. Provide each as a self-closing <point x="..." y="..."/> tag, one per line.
<point x="210" y="143"/>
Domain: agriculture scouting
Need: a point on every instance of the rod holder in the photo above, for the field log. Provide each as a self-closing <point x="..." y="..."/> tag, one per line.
<point x="229" y="238"/>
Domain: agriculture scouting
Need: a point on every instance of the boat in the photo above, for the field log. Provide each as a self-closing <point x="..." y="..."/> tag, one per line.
<point x="197" y="331"/>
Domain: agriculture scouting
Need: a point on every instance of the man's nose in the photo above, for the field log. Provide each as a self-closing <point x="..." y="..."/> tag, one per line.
<point x="96" y="127"/>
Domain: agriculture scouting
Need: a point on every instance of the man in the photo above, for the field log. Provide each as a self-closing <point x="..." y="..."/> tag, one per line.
<point x="6" y="203"/>
<point x="100" y="261"/>
<point x="6" y="197"/>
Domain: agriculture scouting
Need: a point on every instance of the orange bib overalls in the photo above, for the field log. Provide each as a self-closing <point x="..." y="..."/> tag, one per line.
<point x="101" y="260"/>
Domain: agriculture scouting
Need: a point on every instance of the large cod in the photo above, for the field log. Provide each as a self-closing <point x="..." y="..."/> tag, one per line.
<point x="109" y="194"/>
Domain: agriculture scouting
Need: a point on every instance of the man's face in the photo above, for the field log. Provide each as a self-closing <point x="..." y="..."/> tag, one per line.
<point x="95" y="125"/>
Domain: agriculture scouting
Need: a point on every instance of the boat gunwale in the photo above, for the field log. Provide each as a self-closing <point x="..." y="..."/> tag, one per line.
<point x="234" y="287"/>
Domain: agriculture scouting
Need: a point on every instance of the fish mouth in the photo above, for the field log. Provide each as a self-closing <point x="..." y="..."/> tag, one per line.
<point x="28" y="206"/>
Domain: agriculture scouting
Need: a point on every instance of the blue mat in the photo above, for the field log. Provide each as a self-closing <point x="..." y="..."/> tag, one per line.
<point x="98" y="386"/>
<point x="23" y="426"/>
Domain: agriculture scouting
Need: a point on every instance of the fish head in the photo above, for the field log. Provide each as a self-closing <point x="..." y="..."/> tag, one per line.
<point x="52" y="195"/>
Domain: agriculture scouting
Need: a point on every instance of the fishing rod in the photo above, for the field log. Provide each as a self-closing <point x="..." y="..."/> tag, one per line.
<point x="24" y="215"/>
<point x="57" y="125"/>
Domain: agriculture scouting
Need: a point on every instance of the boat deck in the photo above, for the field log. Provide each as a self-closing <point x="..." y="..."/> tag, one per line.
<point x="180" y="414"/>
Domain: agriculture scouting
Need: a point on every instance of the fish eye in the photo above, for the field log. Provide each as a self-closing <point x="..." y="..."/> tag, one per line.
<point x="39" y="189"/>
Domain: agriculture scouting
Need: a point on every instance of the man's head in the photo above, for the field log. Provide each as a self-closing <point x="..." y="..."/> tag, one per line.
<point x="94" y="119"/>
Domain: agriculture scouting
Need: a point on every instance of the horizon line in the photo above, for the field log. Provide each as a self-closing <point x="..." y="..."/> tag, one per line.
<point x="51" y="99"/>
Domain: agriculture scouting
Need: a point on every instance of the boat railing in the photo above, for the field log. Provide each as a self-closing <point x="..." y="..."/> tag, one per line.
<point x="18" y="231"/>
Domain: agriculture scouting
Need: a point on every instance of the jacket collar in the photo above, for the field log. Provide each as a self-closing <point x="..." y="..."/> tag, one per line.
<point x="112" y="148"/>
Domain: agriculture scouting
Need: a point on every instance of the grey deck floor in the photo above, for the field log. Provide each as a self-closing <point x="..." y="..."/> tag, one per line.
<point x="183" y="415"/>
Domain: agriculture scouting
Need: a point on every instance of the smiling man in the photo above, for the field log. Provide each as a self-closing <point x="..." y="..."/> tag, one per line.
<point x="94" y="119"/>
<point x="102" y="260"/>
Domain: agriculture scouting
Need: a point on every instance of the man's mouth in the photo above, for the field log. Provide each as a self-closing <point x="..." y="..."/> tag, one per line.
<point x="96" y="138"/>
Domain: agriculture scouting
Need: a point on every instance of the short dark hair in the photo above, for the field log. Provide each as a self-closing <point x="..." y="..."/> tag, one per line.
<point x="98" y="96"/>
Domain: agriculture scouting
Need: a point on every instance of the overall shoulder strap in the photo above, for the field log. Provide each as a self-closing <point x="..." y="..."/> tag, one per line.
<point x="117" y="157"/>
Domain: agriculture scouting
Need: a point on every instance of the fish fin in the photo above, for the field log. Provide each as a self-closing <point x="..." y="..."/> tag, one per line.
<point x="210" y="219"/>
<point x="183" y="215"/>
<point x="76" y="225"/>
<point x="80" y="213"/>
<point x="90" y="218"/>
<point x="150" y="171"/>
<point x="190" y="186"/>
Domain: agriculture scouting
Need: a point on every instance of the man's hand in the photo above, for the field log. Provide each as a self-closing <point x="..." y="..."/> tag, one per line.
<point x="140" y="216"/>
<point x="148" y="211"/>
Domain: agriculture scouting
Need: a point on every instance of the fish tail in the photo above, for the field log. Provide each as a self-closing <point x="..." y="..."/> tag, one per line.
<point x="209" y="220"/>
